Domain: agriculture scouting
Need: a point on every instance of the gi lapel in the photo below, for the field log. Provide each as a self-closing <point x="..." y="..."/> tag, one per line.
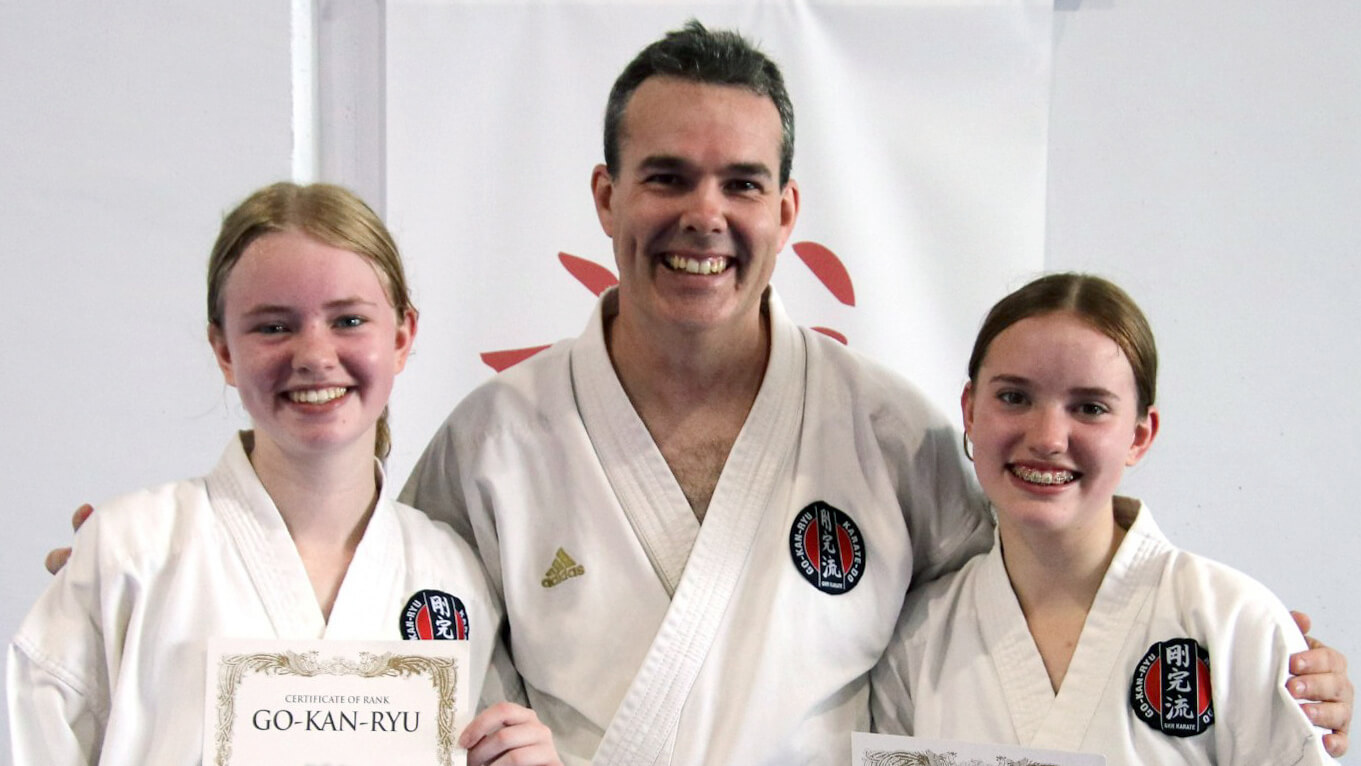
<point x="1020" y="671"/>
<point x="1125" y="590"/>
<point x="644" y="729"/>
<point x="377" y="565"/>
<point x="642" y="481"/>
<point x="248" y="514"/>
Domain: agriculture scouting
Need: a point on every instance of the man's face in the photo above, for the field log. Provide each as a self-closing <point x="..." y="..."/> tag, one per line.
<point x="696" y="212"/>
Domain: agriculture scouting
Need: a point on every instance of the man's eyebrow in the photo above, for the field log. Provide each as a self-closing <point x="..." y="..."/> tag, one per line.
<point x="672" y="162"/>
<point x="759" y="169"/>
<point x="664" y="162"/>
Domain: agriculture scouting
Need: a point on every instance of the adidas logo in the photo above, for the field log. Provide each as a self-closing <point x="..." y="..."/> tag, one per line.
<point x="563" y="568"/>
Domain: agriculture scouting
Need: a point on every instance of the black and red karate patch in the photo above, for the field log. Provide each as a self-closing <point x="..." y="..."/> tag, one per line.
<point x="827" y="548"/>
<point x="1171" y="688"/>
<point x="433" y="615"/>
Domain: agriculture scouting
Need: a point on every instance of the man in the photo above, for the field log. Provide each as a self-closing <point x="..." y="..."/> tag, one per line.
<point x="703" y="520"/>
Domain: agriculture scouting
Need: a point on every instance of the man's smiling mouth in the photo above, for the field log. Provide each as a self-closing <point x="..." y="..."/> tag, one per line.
<point x="716" y="265"/>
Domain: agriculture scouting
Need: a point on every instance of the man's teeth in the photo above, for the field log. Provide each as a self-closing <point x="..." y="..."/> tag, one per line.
<point x="317" y="396"/>
<point x="697" y="265"/>
<point x="1042" y="477"/>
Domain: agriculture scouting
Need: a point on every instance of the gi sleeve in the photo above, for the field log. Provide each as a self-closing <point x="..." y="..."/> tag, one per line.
<point x="891" y="704"/>
<point x="437" y="487"/>
<point x="56" y="677"/>
<point x="947" y="514"/>
<point x="1261" y="722"/>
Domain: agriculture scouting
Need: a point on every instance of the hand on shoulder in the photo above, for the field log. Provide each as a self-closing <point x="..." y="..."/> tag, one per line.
<point x="1320" y="674"/>
<point x="57" y="557"/>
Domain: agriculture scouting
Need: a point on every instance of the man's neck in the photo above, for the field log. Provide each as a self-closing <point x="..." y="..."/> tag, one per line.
<point x="676" y="370"/>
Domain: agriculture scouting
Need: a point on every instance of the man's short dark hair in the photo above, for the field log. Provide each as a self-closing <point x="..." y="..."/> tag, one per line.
<point x="720" y="57"/>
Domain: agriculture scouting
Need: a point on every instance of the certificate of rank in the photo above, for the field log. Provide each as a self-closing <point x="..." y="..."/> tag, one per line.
<point x="335" y="703"/>
<point x="886" y="750"/>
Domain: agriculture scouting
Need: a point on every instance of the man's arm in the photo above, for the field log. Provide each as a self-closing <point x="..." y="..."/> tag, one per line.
<point x="1320" y="674"/>
<point x="437" y="486"/>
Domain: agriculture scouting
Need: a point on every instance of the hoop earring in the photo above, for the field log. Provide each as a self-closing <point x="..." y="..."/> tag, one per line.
<point x="967" y="452"/>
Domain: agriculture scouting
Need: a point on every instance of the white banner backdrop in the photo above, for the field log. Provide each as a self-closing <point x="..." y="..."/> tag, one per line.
<point x="920" y="154"/>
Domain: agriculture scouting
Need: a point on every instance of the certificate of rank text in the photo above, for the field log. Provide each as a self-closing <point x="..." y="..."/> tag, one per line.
<point x="335" y="703"/>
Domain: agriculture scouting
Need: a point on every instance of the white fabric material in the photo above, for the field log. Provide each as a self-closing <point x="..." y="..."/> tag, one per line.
<point x="963" y="664"/>
<point x="109" y="664"/>
<point x="748" y="663"/>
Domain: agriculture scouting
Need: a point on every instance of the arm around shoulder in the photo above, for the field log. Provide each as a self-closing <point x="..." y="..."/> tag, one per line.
<point x="435" y="486"/>
<point x="1319" y="673"/>
<point x="1257" y="720"/>
<point x="947" y="516"/>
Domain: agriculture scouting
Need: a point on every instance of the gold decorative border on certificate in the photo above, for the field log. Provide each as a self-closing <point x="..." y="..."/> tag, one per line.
<point x="929" y="758"/>
<point x="443" y="673"/>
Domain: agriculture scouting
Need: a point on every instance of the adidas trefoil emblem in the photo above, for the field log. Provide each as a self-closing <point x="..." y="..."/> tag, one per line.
<point x="564" y="568"/>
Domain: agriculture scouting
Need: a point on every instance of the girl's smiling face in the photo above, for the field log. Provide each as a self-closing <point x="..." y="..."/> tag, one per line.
<point x="311" y="341"/>
<point x="1054" y="418"/>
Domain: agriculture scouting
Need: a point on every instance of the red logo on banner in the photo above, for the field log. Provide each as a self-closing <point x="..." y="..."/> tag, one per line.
<point x="821" y="261"/>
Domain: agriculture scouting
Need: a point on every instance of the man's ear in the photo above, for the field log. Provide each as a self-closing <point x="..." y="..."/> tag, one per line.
<point x="602" y="190"/>
<point x="218" y="340"/>
<point x="789" y="210"/>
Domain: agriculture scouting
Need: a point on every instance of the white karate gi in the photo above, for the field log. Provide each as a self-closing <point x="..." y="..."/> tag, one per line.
<point x="963" y="664"/>
<point x="109" y="664"/>
<point x="683" y="643"/>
